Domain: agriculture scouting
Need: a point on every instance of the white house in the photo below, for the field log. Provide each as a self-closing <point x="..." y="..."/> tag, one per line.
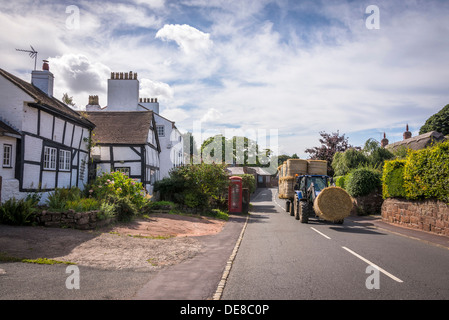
<point x="44" y="142"/>
<point x="123" y="96"/>
<point x="126" y="141"/>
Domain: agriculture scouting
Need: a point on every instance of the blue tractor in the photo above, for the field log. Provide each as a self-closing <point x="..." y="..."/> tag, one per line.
<point x="307" y="188"/>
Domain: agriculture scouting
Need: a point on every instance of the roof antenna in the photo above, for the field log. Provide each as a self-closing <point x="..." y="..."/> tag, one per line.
<point x="33" y="54"/>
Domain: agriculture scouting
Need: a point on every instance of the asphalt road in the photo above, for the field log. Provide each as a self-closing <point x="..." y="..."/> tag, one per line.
<point x="280" y="258"/>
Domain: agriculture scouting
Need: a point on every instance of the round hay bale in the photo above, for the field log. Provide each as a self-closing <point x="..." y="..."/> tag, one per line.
<point x="296" y="166"/>
<point x="318" y="167"/>
<point x="333" y="204"/>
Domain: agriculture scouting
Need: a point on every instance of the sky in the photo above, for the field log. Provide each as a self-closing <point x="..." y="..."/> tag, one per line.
<point x="295" y="68"/>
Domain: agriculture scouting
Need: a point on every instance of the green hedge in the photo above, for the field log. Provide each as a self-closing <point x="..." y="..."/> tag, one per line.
<point x="363" y="181"/>
<point x="393" y="179"/>
<point x="424" y="174"/>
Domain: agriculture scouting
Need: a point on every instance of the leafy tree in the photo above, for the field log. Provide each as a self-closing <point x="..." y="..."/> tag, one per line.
<point x="438" y="122"/>
<point x="246" y="154"/>
<point x="68" y="100"/>
<point x="330" y="144"/>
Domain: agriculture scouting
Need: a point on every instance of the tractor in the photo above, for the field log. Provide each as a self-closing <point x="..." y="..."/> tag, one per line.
<point x="307" y="188"/>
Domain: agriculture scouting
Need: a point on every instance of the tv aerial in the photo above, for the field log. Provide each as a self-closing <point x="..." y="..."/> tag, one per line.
<point x="32" y="53"/>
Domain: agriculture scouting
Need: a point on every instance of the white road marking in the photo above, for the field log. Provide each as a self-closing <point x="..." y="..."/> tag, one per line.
<point x="372" y="264"/>
<point x="320" y="233"/>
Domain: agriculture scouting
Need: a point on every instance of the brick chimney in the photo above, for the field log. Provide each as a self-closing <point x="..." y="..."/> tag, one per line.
<point x="43" y="79"/>
<point x="384" y="142"/>
<point x="407" y="134"/>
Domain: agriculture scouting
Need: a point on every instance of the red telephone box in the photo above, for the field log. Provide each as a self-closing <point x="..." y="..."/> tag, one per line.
<point x="235" y="195"/>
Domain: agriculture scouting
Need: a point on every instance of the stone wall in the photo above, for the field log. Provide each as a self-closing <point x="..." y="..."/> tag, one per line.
<point x="427" y="215"/>
<point x="71" y="219"/>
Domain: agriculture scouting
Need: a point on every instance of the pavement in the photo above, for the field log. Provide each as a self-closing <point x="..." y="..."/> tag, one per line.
<point x="202" y="277"/>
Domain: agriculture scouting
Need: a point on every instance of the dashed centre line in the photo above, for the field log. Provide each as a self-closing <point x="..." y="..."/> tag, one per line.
<point x="320" y="233"/>
<point x="374" y="265"/>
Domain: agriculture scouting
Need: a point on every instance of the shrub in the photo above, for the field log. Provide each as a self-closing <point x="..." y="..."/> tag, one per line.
<point x="426" y="173"/>
<point x="118" y="184"/>
<point x="362" y="181"/>
<point x="340" y="181"/>
<point x="83" y="204"/>
<point x="16" y="212"/>
<point x="124" y="208"/>
<point x="393" y="179"/>
<point x="107" y="210"/>
<point x="58" y="198"/>
<point x="199" y="185"/>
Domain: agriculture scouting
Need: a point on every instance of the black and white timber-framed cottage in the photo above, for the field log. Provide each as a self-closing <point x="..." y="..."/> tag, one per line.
<point x="126" y="141"/>
<point x="51" y="146"/>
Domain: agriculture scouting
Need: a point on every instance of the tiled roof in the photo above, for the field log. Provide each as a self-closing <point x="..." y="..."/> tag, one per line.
<point x="5" y="128"/>
<point x="120" y="127"/>
<point x="45" y="101"/>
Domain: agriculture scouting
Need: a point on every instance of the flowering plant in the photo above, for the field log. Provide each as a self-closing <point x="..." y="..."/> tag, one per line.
<point x="118" y="184"/>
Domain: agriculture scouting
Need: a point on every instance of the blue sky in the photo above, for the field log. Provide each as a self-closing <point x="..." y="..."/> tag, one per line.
<point x="299" y="67"/>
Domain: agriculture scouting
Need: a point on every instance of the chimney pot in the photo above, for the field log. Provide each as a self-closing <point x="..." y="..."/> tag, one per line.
<point x="407" y="133"/>
<point x="45" y="66"/>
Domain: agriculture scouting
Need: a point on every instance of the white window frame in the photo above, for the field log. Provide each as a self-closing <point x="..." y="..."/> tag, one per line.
<point x="7" y="155"/>
<point x="160" y="129"/>
<point x="50" y="158"/>
<point x="65" y="160"/>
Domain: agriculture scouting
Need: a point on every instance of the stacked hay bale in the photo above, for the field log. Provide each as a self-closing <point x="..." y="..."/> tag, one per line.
<point x="290" y="169"/>
<point x="333" y="204"/>
<point x="318" y="167"/>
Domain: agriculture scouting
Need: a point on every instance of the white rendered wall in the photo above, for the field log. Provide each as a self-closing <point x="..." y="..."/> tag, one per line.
<point x="123" y="95"/>
<point x="12" y="103"/>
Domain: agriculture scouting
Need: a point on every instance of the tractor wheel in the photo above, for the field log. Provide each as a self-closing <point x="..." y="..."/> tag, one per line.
<point x="303" y="211"/>
<point x="292" y="207"/>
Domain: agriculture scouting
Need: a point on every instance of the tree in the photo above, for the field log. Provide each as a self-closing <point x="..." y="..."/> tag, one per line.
<point x="241" y="150"/>
<point x="68" y="100"/>
<point x="330" y="144"/>
<point x="438" y="122"/>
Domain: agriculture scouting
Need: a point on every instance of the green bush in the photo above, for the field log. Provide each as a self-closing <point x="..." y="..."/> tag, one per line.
<point x="200" y="185"/>
<point x="58" y="198"/>
<point x="106" y="211"/>
<point x="124" y="208"/>
<point x="340" y="181"/>
<point x="426" y="173"/>
<point x="362" y="181"/>
<point x="118" y="184"/>
<point x="393" y="179"/>
<point x="248" y="182"/>
<point x="83" y="204"/>
<point x="17" y="212"/>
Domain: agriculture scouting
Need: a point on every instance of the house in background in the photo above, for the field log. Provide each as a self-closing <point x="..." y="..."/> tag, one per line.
<point x="415" y="143"/>
<point x="123" y="96"/>
<point x="126" y="141"/>
<point x="44" y="141"/>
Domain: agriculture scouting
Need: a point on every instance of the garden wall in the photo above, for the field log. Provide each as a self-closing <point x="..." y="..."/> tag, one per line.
<point x="426" y="215"/>
<point x="71" y="219"/>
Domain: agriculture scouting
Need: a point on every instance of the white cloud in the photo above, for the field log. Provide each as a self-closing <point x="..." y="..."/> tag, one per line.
<point x="189" y="39"/>
<point x="76" y="75"/>
<point x="212" y="115"/>
<point x="155" y="89"/>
